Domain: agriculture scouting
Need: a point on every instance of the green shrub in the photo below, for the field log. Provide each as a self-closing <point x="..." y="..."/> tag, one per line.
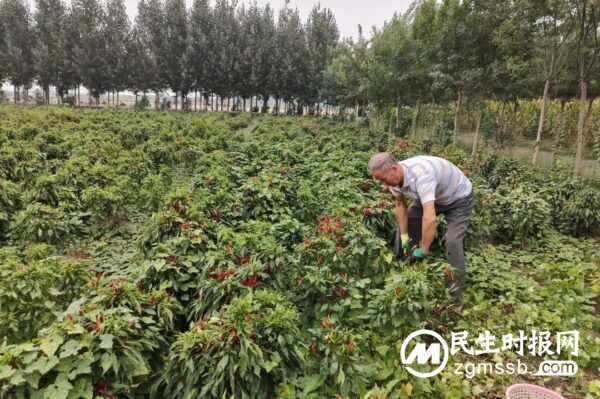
<point x="239" y="352"/>
<point x="580" y="214"/>
<point x="520" y="214"/>
<point x="10" y="202"/>
<point x="408" y="298"/>
<point x="108" y="204"/>
<point x="142" y="103"/>
<point x="43" y="223"/>
<point x="97" y="351"/>
<point x="33" y="295"/>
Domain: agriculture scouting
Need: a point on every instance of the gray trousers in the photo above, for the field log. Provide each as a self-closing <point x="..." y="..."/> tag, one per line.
<point x="457" y="216"/>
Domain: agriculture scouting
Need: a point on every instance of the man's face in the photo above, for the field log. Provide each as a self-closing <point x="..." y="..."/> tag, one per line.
<point x="393" y="177"/>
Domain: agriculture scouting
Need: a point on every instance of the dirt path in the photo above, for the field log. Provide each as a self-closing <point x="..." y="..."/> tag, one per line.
<point x="250" y="127"/>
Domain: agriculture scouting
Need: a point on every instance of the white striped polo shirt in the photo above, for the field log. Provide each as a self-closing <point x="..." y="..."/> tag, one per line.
<point x="428" y="178"/>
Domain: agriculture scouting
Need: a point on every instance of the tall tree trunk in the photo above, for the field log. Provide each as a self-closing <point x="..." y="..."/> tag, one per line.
<point x="432" y="107"/>
<point x="502" y="123"/>
<point x="477" y="128"/>
<point x="456" y="111"/>
<point x="195" y="98"/>
<point x="46" y="90"/>
<point x="78" y="96"/>
<point x="582" y="127"/>
<point x="416" y="120"/>
<point x="117" y="98"/>
<point x="538" y="138"/>
<point x="398" y="114"/>
<point x="156" y="99"/>
<point x="563" y="102"/>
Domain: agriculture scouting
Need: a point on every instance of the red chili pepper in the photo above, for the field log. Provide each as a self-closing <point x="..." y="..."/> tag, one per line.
<point x="221" y="275"/>
<point x="307" y="242"/>
<point x="326" y="323"/>
<point x="234" y="336"/>
<point x="251" y="282"/>
<point x="97" y="282"/>
<point x="449" y="272"/>
<point x="242" y="260"/>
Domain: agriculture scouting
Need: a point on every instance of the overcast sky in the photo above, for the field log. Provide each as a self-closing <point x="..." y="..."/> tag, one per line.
<point x="348" y="13"/>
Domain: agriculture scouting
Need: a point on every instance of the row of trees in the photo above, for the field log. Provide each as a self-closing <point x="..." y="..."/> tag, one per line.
<point x="226" y="49"/>
<point x="468" y="52"/>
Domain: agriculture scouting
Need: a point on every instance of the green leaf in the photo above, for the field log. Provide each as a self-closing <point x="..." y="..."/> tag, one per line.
<point x="382" y="349"/>
<point x="594" y="387"/>
<point x="222" y="364"/>
<point x="388" y="257"/>
<point x="341" y="377"/>
<point x="52" y="361"/>
<point x="49" y="345"/>
<point x="105" y="362"/>
<point x="140" y="369"/>
<point x="17" y="378"/>
<point x="106" y="341"/>
<point x="32" y="379"/>
<point x="310" y="383"/>
<point x="82" y="367"/>
<point x="69" y="349"/>
<point x="58" y="390"/>
<point x="6" y="371"/>
<point x="82" y="389"/>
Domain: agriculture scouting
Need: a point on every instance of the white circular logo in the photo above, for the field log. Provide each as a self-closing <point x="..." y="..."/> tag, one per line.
<point x="425" y="354"/>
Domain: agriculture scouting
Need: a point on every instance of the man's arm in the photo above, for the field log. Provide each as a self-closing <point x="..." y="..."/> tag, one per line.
<point x="428" y="226"/>
<point x="402" y="214"/>
<point x="426" y="189"/>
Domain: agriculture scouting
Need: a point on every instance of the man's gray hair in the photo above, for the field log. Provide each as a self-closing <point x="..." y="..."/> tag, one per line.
<point x="382" y="161"/>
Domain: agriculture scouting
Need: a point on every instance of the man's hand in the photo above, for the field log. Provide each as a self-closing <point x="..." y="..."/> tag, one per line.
<point x="416" y="256"/>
